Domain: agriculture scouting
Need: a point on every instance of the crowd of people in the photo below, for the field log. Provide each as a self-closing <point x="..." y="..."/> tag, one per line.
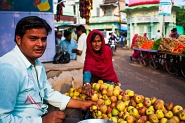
<point x="77" y="48"/>
<point x="25" y="92"/>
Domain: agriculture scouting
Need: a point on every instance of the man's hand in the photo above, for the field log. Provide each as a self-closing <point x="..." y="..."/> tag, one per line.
<point x="74" y="50"/>
<point x="86" y="104"/>
<point x="78" y="52"/>
<point x="54" y="117"/>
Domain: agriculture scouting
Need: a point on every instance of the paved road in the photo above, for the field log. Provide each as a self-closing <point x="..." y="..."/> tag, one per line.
<point x="148" y="81"/>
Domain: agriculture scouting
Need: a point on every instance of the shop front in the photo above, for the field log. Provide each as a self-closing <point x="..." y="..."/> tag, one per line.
<point x="145" y="19"/>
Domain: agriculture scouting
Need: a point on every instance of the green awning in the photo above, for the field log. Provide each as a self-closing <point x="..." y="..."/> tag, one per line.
<point x="149" y="6"/>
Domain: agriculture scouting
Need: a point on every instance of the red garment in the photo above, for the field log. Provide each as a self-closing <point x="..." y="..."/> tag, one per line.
<point x="99" y="65"/>
<point x="171" y="34"/>
<point x="136" y="53"/>
<point x="134" y="40"/>
<point x="145" y="35"/>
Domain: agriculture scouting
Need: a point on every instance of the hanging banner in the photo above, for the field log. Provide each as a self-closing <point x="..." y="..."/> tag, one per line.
<point x="27" y="5"/>
<point x="165" y="7"/>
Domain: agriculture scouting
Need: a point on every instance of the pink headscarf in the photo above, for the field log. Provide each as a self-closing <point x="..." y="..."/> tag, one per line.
<point x="134" y="40"/>
<point x="145" y="34"/>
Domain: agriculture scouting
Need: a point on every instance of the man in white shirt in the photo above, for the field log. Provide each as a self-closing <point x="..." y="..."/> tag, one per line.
<point x="81" y="49"/>
<point x="158" y="35"/>
<point x="24" y="85"/>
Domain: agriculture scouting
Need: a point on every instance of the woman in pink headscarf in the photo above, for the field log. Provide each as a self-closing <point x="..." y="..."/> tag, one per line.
<point x="136" y="54"/>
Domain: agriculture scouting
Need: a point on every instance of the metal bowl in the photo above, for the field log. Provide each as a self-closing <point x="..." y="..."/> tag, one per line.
<point x="95" y="121"/>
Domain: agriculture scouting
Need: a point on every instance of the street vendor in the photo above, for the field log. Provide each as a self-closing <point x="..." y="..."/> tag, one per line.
<point x="24" y="85"/>
<point x="174" y="33"/>
<point x="136" y="54"/>
<point x="98" y="62"/>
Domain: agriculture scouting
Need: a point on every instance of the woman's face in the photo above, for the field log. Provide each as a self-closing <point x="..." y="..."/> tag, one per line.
<point x="96" y="43"/>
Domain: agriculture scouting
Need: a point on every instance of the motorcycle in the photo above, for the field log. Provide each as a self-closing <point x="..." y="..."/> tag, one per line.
<point x="112" y="45"/>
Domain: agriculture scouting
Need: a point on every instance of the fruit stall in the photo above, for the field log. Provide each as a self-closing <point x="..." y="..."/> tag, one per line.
<point x="125" y="106"/>
<point x="166" y="52"/>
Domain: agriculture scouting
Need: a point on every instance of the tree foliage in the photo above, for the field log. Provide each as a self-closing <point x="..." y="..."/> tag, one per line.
<point x="180" y="17"/>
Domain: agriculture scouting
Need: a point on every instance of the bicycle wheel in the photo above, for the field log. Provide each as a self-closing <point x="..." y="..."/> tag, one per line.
<point x="171" y="65"/>
<point x="143" y="59"/>
<point x="155" y="60"/>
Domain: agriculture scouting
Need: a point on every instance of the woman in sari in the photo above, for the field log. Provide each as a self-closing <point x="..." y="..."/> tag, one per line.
<point x="136" y="54"/>
<point x="98" y="62"/>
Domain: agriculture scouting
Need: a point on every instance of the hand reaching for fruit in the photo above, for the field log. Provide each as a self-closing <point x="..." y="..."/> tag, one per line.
<point x="88" y="89"/>
<point x="118" y="84"/>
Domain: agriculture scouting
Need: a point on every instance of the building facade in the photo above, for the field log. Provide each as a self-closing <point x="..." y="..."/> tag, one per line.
<point x="105" y="15"/>
<point x="142" y="17"/>
<point x="108" y="16"/>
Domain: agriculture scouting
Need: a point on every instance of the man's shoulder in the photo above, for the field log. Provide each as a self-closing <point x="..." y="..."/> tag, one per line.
<point x="7" y="56"/>
<point x="11" y="59"/>
<point x="73" y="41"/>
<point x="83" y="36"/>
<point x="63" y="41"/>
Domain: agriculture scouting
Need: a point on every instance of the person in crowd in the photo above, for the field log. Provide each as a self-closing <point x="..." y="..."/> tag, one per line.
<point x="113" y="40"/>
<point x="59" y="37"/>
<point x="23" y="102"/>
<point x="68" y="44"/>
<point x="158" y="35"/>
<point x="136" y="54"/>
<point x="98" y="62"/>
<point x="81" y="49"/>
<point x="122" y="39"/>
<point x="174" y="33"/>
<point x="145" y="35"/>
<point x="115" y="34"/>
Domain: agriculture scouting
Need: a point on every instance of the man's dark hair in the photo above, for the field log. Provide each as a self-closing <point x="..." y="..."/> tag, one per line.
<point x="82" y="28"/>
<point x="31" y="22"/>
<point x="174" y="30"/>
<point x="67" y="33"/>
<point x="158" y="30"/>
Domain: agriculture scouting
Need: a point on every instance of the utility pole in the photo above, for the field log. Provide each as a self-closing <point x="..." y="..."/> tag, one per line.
<point x="119" y="20"/>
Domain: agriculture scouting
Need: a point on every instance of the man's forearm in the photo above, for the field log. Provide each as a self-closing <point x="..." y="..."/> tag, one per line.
<point x="84" y="105"/>
<point x="75" y="103"/>
<point x="78" y="52"/>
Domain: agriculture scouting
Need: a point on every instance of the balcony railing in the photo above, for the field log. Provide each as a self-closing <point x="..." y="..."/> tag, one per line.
<point x="101" y="19"/>
<point x="105" y="18"/>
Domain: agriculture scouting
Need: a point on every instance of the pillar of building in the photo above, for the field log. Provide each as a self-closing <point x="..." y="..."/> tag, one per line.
<point x="152" y="26"/>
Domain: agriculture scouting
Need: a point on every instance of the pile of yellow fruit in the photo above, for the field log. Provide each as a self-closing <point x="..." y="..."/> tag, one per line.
<point x="121" y="106"/>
